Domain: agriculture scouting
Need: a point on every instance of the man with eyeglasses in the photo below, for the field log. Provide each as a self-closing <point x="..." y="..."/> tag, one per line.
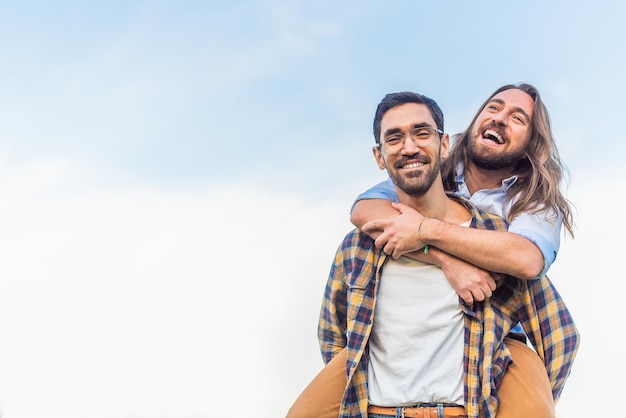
<point x="396" y="326"/>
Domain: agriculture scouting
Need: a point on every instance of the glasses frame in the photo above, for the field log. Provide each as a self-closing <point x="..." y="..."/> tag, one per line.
<point x="415" y="142"/>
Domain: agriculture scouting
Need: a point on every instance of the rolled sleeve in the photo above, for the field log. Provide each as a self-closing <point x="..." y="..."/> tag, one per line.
<point x="383" y="190"/>
<point x="544" y="230"/>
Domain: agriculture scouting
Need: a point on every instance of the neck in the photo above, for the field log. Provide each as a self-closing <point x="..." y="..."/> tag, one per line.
<point x="477" y="178"/>
<point x="436" y="204"/>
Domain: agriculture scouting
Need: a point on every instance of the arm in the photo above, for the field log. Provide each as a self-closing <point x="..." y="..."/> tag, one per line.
<point x="367" y="210"/>
<point x="483" y="248"/>
<point x="543" y="229"/>
<point x="471" y="283"/>
<point x="374" y="203"/>
<point x="331" y="330"/>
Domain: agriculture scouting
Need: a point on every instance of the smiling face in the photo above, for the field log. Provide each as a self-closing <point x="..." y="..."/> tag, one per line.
<point x="414" y="169"/>
<point x="501" y="131"/>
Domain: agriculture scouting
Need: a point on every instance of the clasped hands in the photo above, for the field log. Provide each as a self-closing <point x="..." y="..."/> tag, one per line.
<point x="398" y="236"/>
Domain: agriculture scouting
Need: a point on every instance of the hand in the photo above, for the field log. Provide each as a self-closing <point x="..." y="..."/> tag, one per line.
<point x="471" y="283"/>
<point x="399" y="233"/>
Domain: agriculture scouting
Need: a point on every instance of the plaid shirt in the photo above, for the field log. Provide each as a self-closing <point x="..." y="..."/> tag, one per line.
<point x="348" y="312"/>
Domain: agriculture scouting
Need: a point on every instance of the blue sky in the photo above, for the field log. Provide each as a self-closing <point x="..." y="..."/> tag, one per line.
<point x="153" y="88"/>
<point x="175" y="178"/>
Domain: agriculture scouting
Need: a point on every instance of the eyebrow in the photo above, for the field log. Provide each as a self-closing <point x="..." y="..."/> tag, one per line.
<point x="394" y="131"/>
<point x="515" y="108"/>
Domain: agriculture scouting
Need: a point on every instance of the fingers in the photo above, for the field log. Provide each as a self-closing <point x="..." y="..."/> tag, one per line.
<point x="493" y="282"/>
<point x="477" y="295"/>
<point x="485" y="290"/>
<point x="371" y="226"/>
<point x="383" y="243"/>
<point x="391" y="250"/>
<point x="398" y="206"/>
<point x="467" y="297"/>
<point x="375" y="225"/>
<point x="402" y="208"/>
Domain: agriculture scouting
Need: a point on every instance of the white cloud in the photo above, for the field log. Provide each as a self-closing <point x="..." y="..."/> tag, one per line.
<point x="586" y="273"/>
<point x="144" y="303"/>
<point x="139" y="302"/>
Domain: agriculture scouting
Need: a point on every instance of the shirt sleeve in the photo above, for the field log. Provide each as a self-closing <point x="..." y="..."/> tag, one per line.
<point x="332" y="323"/>
<point x="384" y="190"/>
<point x="544" y="230"/>
<point x="551" y="330"/>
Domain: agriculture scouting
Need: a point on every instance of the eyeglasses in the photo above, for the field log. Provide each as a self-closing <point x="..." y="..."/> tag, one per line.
<point x="422" y="137"/>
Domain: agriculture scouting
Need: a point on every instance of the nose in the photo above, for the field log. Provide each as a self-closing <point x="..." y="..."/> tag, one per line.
<point x="499" y="118"/>
<point x="409" y="147"/>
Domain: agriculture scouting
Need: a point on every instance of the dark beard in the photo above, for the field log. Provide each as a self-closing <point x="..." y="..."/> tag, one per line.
<point x="493" y="162"/>
<point x="416" y="184"/>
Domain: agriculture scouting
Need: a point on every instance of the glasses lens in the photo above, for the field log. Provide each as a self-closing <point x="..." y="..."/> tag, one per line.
<point x="421" y="137"/>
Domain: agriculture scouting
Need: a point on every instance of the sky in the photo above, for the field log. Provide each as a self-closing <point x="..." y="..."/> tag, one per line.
<point x="175" y="178"/>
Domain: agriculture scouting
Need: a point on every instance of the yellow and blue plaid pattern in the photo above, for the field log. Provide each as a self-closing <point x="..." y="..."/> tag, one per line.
<point x="347" y="313"/>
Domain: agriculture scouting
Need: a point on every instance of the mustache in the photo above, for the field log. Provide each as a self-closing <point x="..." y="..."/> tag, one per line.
<point x="495" y="126"/>
<point x="415" y="158"/>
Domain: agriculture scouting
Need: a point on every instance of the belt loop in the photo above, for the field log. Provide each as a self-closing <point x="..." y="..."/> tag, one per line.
<point x="402" y="412"/>
<point x="440" y="411"/>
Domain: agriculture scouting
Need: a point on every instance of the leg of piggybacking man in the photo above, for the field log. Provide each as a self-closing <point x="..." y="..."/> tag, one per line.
<point x="525" y="390"/>
<point x="322" y="397"/>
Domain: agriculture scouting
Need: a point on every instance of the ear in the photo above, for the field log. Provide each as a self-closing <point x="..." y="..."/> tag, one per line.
<point x="444" y="147"/>
<point x="378" y="156"/>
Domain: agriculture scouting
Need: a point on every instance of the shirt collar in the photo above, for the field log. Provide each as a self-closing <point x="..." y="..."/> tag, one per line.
<point x="461" y="186"/>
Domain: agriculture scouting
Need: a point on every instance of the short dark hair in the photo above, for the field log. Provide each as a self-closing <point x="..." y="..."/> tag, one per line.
<point x="392" y="100"/>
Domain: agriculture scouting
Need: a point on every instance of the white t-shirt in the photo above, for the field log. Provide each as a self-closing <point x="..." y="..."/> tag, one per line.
<point x="416" y="345"/>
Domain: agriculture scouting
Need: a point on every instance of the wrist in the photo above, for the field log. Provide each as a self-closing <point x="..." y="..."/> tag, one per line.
<point x="420" y="236"/>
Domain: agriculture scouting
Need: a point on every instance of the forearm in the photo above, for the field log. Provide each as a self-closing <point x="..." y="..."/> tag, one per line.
<point x="433" y="256"/>
<point x="370" y="209"/>
<point x="471" y="283"/>
<point x="498" y="251"/>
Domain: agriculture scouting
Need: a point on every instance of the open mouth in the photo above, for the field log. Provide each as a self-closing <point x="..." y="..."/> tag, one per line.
<point x="412" y="165"/>
<point x="493" y="136"/>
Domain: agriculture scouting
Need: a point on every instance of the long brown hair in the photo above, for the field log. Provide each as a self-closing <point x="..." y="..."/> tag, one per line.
<point x="540" y="173"/>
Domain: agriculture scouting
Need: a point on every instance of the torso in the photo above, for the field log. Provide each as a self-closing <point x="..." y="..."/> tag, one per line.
<point x="416" y="345"/>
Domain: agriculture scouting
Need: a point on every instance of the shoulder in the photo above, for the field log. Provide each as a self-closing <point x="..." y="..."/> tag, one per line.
<point x="357" y="257"/>
<point x="356" y="245"/>
<point x="480" y="218"/>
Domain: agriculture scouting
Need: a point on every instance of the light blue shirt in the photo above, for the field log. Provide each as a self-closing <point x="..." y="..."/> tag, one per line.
<point x="543" y="228"/>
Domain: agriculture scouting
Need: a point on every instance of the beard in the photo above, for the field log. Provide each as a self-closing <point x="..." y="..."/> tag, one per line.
<point x="414" y="183"/>
<point x="485" y="159"/>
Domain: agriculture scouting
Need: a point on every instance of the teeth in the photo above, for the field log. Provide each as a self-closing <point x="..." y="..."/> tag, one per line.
<point x="413" y="165"/>
<point x="493" y="135"/>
